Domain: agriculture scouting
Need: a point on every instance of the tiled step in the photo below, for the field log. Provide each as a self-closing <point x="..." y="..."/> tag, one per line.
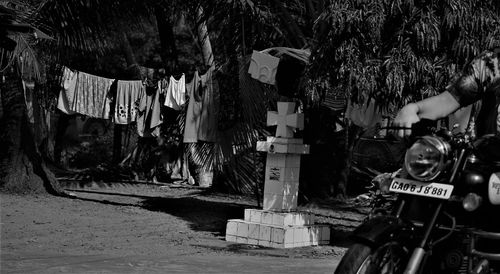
<point x="241" y="231"/>
<point x="297" y="218"/>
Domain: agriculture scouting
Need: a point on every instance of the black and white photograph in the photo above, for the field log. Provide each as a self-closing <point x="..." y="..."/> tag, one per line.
<point x="250" y="136"/>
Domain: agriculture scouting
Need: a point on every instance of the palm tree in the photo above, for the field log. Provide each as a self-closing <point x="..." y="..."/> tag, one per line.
<point x="26" y="56"/>
<point x="399" y="51"/>
<point x="95" y="26"/>
<point x="21" y="165"/>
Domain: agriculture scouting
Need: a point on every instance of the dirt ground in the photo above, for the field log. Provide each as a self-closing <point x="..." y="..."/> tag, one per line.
<point x="135" y="223"/>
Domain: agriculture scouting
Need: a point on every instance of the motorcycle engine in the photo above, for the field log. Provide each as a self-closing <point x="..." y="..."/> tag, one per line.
<point x="454" y="260"/>
<point x="487" y="149"/>
<point x="450" y="256"/>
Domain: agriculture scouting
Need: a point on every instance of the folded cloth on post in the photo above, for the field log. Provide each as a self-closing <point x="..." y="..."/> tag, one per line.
<point x="128" y="94"/>
<point x="263" y="67"/>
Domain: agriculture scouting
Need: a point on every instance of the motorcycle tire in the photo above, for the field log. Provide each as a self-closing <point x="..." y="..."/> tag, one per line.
<point x="363" y="259"/>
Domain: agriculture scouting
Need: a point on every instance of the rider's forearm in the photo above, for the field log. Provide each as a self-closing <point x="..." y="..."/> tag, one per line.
<point x="437" y="107"/>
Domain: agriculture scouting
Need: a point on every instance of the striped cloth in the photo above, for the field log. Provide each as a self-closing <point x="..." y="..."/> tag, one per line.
<point x="335" y="102"/>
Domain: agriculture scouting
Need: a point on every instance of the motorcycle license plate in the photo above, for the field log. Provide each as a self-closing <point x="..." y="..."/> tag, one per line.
<point x="433" y="190"/>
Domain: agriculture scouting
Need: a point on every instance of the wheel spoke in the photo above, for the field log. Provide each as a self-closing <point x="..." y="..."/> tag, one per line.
<point x="387" y="259"/>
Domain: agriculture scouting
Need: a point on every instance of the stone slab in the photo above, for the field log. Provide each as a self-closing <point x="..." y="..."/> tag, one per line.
<point x="282" y="148"/>
<point x="272" y="139"/>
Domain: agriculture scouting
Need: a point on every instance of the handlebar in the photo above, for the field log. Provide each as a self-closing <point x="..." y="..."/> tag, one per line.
<point x="421" y="128"/>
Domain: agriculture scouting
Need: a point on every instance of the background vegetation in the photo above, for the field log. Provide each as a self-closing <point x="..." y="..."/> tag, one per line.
<point x="395" y="51"/>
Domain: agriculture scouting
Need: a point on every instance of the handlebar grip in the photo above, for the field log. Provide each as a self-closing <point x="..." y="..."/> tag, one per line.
<point x="423" y="127"/>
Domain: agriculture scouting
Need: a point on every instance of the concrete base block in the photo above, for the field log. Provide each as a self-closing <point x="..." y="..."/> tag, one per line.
<point x="253" y="242"/>
<point x="242" y="240"/>
<point x="230" y="238"/>
<point x="278" y="236"/>
<point x="294" y="218"/>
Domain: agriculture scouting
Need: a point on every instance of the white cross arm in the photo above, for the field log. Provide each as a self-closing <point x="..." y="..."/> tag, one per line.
<point x="295" y="120"/>
<point x="285" y="119"/>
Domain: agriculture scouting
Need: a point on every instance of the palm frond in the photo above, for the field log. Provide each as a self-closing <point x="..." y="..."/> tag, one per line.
<point x="28" y="61"/>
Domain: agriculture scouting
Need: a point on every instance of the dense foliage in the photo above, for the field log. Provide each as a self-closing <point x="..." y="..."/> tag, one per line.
<point x="399" y="50"/>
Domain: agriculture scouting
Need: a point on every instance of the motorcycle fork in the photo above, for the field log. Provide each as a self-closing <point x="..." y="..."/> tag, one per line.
<point x="419" y="252"/>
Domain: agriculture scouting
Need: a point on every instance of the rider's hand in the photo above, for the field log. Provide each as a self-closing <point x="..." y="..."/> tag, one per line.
<point x="405" y="118"/>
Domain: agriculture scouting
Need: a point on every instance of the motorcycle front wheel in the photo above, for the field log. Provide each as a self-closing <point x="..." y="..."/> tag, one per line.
<point x="387" y="258"/>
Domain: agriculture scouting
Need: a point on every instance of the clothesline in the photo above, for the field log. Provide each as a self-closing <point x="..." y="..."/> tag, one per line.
<point x="129" y="101"/>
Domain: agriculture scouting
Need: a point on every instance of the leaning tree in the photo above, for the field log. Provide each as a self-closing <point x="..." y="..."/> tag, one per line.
<point x="397" y="51"/>
<point x="27" y="53"/>
<point x="91" y="27"/>
<point x="22" y="167"/>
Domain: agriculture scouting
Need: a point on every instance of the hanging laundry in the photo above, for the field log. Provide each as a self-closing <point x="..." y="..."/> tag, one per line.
<point x="335" y="102"/>
<point x="67" y="93"/>
<point x="176" y="93"/>
<point x="128" y="94"/>
<point x="164" y="85"/>
<point x="263" y="67"/>
<point x="149" y="113"/>
<point x="1" y="106"/>
<point x="193" y="111"/>
<point x="364" y="115"/>
<point x="155" y="111"/>
<point x="91" y="96"/>
<point x="28" y="87"/>
<point x="201" y="114"/>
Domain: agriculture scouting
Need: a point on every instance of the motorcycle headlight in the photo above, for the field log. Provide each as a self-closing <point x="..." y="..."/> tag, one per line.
<point x="426" y="158"/>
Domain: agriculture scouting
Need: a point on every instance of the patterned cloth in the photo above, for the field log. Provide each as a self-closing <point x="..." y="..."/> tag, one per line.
<point x="481" y="81"/>
<point x="128" y="94"/>
<point x="67" y="93"/>
<point x="91" y="96"/>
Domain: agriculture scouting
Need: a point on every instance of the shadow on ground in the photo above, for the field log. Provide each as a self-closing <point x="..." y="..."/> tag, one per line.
<point x="201" y="214"/>
<point x="207" y="211"/>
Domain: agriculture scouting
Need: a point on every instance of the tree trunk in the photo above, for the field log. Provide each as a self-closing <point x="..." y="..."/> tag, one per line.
<point x="43" y="123"/>
<point x="168" y="53"/>
<point x="290" y="24"/>
<point x="204" y="40"/>
<point x="205" y="172"/>
<point x="62" y="124"/>
<point x="136" y="73"/>
<point x="352" y="134"/>
<point x="22" y="169"/>
<point x="130" y="57"/>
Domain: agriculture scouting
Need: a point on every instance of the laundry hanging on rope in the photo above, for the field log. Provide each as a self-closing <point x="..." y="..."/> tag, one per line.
<point x="140" y="101"/>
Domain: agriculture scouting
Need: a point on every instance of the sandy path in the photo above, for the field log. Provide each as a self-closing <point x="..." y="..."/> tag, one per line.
<point x="137" y="230"/>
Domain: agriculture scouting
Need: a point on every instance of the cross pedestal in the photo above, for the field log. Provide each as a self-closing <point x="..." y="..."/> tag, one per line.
<point x="279" y="224"/>
<point x="281" y="185"/>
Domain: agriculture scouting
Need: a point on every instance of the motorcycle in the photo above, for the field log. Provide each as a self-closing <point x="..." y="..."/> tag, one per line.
<point x="444" y="216"/>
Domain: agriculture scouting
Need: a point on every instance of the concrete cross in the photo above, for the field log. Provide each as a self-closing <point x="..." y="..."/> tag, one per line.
<point x="285" y="119"/>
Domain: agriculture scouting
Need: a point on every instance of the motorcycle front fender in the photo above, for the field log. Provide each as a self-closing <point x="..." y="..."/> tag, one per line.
<point x="380" y="229"/>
